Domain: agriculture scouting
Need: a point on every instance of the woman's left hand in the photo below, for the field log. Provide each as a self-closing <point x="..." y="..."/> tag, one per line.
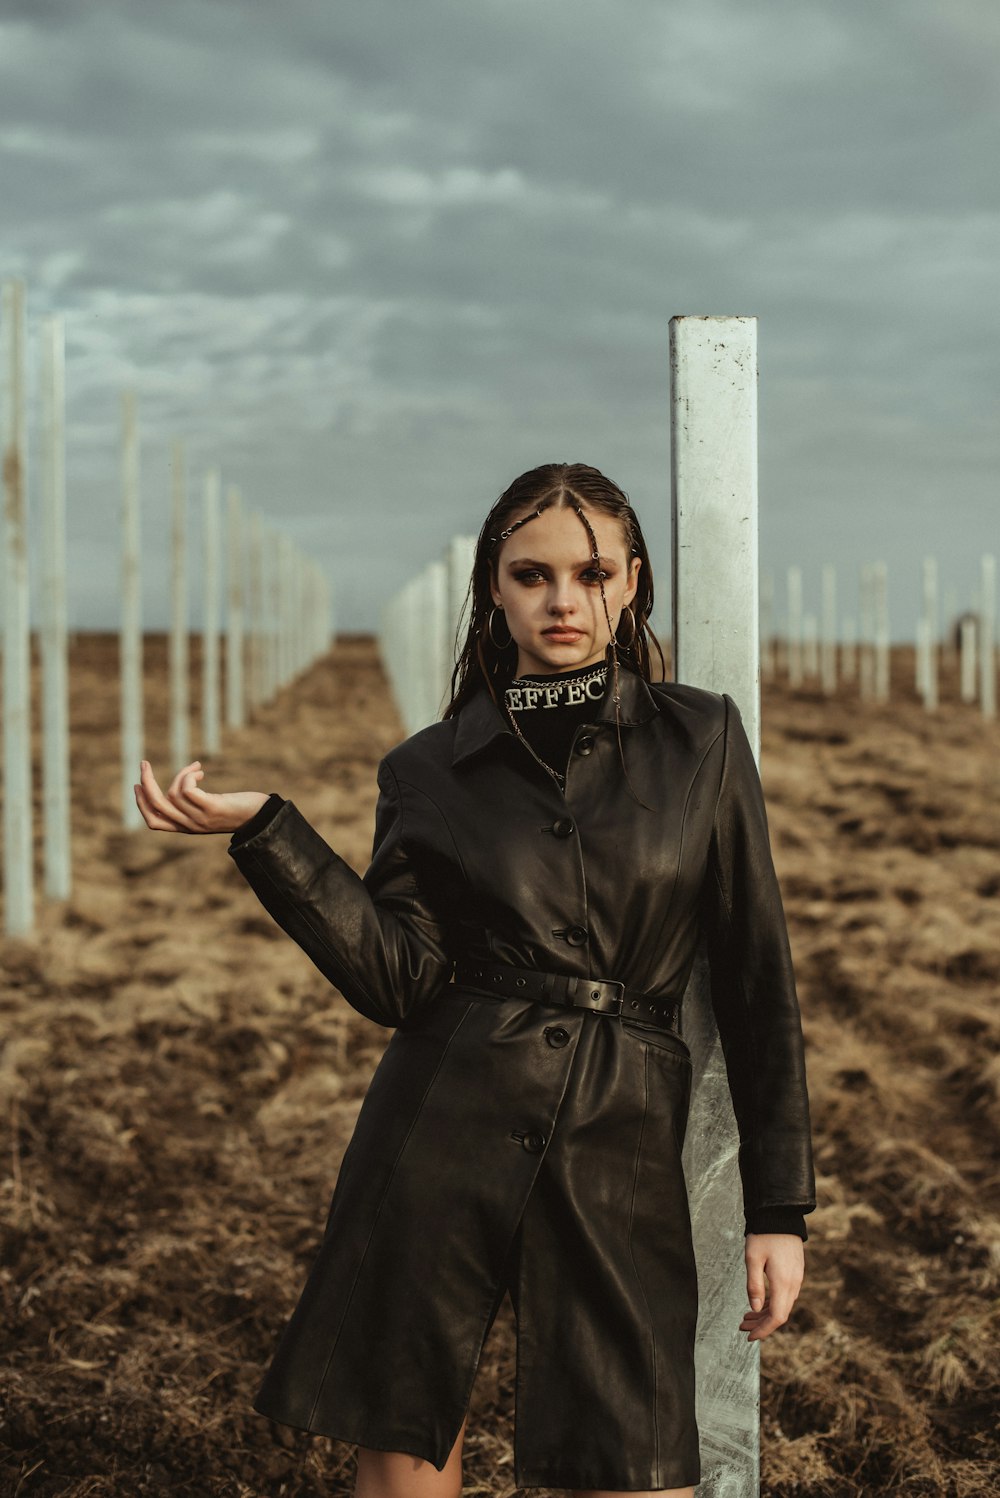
<point x="781" y="1256"/>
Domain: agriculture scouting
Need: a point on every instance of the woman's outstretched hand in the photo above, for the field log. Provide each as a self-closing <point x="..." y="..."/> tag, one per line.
<point x="185" y="807"/>
<point x="782" y="1257"/>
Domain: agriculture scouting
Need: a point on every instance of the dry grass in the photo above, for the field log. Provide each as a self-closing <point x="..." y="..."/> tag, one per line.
<point x="179" y="1086"/>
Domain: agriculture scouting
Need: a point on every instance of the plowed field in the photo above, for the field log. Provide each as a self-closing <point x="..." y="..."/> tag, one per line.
<point x="179" y="1084"/>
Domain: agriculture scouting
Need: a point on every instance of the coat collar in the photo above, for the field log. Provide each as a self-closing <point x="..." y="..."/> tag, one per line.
<point x="480" y="721"/>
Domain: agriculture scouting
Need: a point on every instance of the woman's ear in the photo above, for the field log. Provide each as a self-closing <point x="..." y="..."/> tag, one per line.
<point x="633" y="581"/>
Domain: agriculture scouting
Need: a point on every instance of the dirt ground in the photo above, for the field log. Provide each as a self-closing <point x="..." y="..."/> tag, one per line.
<point x="179" y="1083"/>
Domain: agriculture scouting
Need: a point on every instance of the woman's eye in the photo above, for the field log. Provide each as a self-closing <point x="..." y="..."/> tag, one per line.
<point x="529" y="574"/>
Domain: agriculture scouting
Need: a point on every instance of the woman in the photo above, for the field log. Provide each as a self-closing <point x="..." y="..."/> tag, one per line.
<point x="546" y="860"/>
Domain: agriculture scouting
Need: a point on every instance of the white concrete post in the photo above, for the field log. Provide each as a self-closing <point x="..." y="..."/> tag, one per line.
<point x="849" y="649"/>
<point x="437" y="637"/>
<point x="921" y="670"/>
<point x="967" y="668"/>
<point x="810" y="645"/>
<point x="284" y="604"/>
<point x="290" y="608"/>
<point x="412" y="662"/>
<point x="307" y="611"/>
<point x="931" y="634"/>
<point x="949" y="641"/>
<point x="279" y="611"/>
<point x="253" y="611"/>
<point x="828" y="648"/>
<point x="318" y="615"/>
<point x="211" y="716"/>
<point x="315" y="613"/>
<point x="131" y="626"/>
<point x="306" y="585"/>
<point x="18" y="852"/>
<point x="293" y="610"/>
<point x="414" y="659"/>
<point x="329" y="616"/>
<point x="867" y="678"/>
<point x="987" y="636"/>
<point x="264" y="609"/>
<point x="55" y="677"/>
<point x="398" y="661"/>
<point x="306" y="582"/>
<point x="387" y="641"/>
<point x="179" y="735"/>
<point x="298" y="619"/>
<point x="461" y="560"/>
<point x="715" y="622"/>
<point x="271" y="601"/>
<point x="298" y="611"/>
<point x="235" y="691"/>
<point x="322" y="615"/>
<point x="881" y="613"/>
<point x="794" y="639"/>
<point x="390" y="632"/>
<point x="767" y="665"/>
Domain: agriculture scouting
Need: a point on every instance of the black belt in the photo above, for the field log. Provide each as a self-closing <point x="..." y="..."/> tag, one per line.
<point x="599" y="995"/>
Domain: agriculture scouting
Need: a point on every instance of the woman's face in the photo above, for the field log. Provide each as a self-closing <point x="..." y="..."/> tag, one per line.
<point x="548" y="585"/>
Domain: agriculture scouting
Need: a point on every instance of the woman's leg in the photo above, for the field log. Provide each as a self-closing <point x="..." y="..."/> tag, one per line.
<point x="650" y="1493"/>
<point x="397" y="1474"/>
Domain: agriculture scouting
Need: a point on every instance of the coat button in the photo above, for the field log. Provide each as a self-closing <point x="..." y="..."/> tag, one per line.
<point x="557" y="1036"/>
<point x="563" y="827"/>
<point x="577" y="935"/>
<point x="534" y="1143"/>
<point x="585" y="744"/>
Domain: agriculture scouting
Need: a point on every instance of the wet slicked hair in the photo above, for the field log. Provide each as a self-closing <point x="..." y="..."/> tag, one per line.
<point x="574" y="486"/>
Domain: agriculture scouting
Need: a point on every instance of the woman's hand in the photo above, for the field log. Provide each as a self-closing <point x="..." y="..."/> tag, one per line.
<point x="782" y="1257"/>
<point x="185" y="807"/>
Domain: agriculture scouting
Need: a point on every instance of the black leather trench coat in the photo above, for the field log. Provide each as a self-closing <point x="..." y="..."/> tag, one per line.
<point x="507" y="1143"/>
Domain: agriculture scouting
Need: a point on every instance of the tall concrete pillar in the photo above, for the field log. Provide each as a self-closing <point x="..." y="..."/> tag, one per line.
<point x="55" y="666"/>
<point x="713" y="364"/>
<point x="18" y="854"/>
<point x="131" y="647"/>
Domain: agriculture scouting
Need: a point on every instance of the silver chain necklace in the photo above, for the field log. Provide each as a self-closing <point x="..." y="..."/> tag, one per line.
<point x="559" y="778"/>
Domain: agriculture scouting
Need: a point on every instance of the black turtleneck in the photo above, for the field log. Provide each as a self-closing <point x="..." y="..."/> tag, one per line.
<point x="549" y="708"/>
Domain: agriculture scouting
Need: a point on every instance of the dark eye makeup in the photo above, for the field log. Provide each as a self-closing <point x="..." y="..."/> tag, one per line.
<point x="525" y="573"/>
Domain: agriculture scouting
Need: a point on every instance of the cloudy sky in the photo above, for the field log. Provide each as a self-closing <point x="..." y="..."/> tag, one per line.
<point x="375" y="258"/>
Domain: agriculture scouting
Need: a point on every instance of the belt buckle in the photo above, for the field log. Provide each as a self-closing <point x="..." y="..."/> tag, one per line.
<point x="601" y="996"/>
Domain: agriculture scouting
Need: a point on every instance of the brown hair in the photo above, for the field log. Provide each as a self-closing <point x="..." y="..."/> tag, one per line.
<point x="574" y="486"/>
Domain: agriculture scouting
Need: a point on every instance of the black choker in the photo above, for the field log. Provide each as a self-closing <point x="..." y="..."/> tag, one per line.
<point x="562" y="689"/>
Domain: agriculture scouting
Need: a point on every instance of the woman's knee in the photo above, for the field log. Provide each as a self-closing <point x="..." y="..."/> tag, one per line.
<point x="400" y="1474"/>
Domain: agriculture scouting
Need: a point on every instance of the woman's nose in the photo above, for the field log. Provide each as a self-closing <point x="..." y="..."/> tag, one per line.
<point x="561" y="601"/>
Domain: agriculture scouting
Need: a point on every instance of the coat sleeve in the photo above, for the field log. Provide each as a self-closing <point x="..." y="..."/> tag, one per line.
<point x="375" y="937"/>
<point x="753" y="994"/>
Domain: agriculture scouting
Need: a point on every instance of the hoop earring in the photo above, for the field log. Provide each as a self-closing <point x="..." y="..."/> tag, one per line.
<point x="631" y="639"/>
<point x="498" y="645"/>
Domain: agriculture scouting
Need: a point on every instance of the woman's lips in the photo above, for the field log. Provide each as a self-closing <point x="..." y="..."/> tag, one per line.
<point x="562" y="634"/>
